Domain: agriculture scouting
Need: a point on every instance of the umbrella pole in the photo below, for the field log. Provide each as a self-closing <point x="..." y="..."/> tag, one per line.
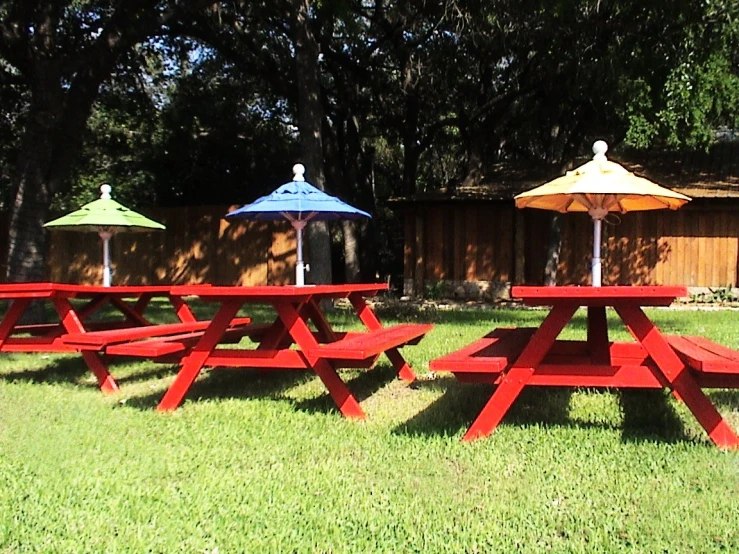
<point x="596" y="269"/>
<point x="106" y="235"/>
<point x="299" y="265"/>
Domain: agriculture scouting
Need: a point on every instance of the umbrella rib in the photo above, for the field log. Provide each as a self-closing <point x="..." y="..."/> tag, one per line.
<point x="583" y="199"/>
<point x="659" y="199"/>
<point x="610" y="200"/>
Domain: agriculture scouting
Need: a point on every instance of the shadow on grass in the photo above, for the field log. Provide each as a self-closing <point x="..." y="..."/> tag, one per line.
<point x="223" y="383"/>
<point x="364" y="385"/>
<point x="71" y="370"/>
<point x="647" y="414"/>
<point x="158" y="371"/>
<point x="461" y="404"/>
<point x="725" y="399"/>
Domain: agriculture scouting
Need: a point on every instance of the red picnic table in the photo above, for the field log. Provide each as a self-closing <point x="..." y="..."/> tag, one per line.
<point x="515" y="358"/>
<point x="77" y="320"/>
<point x="289" y="342"/>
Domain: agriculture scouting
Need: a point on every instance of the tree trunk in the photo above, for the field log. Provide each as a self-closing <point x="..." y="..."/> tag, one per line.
<point x="36" y="176"/>
<point x="553" y="250"/>
<point x="368" y="229"/>
<point x="474" y="138"/>
<point x="27" y="238"/>
<point x="411" y="152"/>
<point x="352" y="269"/>
<point x="310" y="118"/>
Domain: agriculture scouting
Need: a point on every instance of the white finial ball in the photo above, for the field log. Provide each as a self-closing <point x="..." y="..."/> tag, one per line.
<point x="600" y="147"/>
<point x="105" y="189"/>
<point x="299" y="171"/>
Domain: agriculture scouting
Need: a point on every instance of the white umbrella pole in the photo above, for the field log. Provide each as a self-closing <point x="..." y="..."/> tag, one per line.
<point x="106" y="235"/>
<point x="299" y="264"/>
<point x="596" y="269"/>
<point x="597" y="213"/>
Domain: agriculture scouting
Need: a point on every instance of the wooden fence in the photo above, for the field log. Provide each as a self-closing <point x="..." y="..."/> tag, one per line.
<point x="198" y="246"/>
<point x="696" y="246"/>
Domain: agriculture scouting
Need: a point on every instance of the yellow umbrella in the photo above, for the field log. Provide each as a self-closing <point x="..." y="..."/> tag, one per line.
<point x="598" y="187"/>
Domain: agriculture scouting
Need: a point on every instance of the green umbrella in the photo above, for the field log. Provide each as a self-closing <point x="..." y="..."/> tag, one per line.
<point x="107" y="217"/>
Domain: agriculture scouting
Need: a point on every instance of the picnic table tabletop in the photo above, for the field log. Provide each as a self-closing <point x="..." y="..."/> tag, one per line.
<point x="515" y="358"/>
<point x="46" y="289"/>
<point x="598" y="296"/>
<point x="274" y="292"/>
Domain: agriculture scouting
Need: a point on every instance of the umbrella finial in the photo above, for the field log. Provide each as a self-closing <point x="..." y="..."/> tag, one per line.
<point x="600" y="147"/>
<point x="299" y="171"/>
<point x="105" y="190"/>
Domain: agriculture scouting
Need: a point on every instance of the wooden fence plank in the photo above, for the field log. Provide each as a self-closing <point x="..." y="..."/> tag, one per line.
<point x="470" y="258"/>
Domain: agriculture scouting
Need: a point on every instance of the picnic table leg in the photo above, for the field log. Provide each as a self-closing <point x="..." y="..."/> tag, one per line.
<point x="275" y="337"/>
<point x="401" y="366"/>
<point x="95" y="363"/>
<point x="368" y="316"/>
<point x="142" y="303"/>
<point x="515" y="379"/>
<point x="312" y="311"/>
<point x="16" y="309"/>
<point x="184" y="312"/>
<point x="82" y="313"/>
<point x="194" y="362"/>
<point x="598" y="335"/>
<point x="130" y="313"/>
<point x="94" y="304"/>
<point x="678" y="376"/>
<point x="337" y="389"/>
<point x="73" y="324"/>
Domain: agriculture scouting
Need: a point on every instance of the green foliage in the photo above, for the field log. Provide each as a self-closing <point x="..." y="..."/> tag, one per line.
<point x="435" y="290"/>
<point x="699" y="98"/>
<point x="717" y="295"/>
<point x="14" y="101"/>
<point x="416" y="95"/>
<point x="699" y="87"/>
<point x="118" y="145"/>
<point x="258" y="462"/>
<point x="640" y="131"/>
<point x="224" y="138"/>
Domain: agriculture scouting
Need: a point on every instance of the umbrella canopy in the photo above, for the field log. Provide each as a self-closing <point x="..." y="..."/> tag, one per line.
<point x="599" y="187"/>
<point x="106" y="217"/>
<point x="104" y="213"/>
<point x="299" y="202"/>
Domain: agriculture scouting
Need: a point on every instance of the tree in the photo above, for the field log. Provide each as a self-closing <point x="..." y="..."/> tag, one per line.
<point x="62" y="51"/>
<point x="310" y="127"/>
<point x="276" y="41"/>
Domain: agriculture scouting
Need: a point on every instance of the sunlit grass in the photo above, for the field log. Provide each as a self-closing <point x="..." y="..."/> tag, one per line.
<point x="262" y="462"/>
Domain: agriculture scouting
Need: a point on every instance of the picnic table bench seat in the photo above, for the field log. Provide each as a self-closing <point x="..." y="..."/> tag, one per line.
<point x="173" y="332"/>
<point x="492" y="354"/>
<point x="704" y="355"/>
<point x="368" y="344"/>
<point x="171" y="344"/>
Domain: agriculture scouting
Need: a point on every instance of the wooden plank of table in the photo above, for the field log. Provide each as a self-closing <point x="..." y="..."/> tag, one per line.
<point x="369" y="344"/>
<point x="599" y="296"/>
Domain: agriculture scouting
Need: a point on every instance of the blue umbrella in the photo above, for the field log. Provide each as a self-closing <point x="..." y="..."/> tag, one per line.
<point x="299" y="202"/>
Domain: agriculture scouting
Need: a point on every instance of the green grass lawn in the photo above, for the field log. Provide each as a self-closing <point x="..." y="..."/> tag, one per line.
<point x="256" y="462"/>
